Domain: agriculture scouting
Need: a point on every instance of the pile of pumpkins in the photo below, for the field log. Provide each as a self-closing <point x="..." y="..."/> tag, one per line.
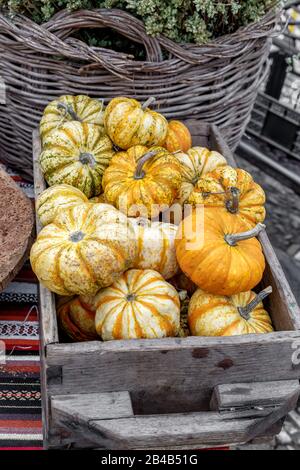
<point x="119" y="271"/>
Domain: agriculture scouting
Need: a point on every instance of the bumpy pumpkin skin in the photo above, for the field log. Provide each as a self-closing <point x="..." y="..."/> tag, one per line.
<point x="156" y="246"/>
<point x="215" y="315"/>
<point x="251" y="195"/>
<point x="56" y="198"/>
<point x="86" y="248"/>
<point x="159" y="187"/>
<point x="76" y="320"/>
<point x="84" y="108"/>
<point x="178" y="137"/>
<point x="127" y="124"/>
<point x="76" y="154"/>
<point x="195" y="164"/>
<point x="210" y="262"/>
<point x="140" y="304"/>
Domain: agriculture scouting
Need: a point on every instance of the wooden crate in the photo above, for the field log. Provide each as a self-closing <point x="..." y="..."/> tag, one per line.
<point x="176" y="392"/>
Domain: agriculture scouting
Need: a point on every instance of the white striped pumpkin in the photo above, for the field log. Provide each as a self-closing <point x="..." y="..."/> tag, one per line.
<point x="56" y="198"/>
<point x="195" y="163"/>
<point x="80" y="108"/>
<point x="156" y="246"/>
<point x="86" y="248"/>
<point x="76" y="154"/>
<point x="140" y="304"/>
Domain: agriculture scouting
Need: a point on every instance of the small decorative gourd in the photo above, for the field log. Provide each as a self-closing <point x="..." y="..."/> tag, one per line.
<point x="79" y="108"/>
<point x="140" y="304"/>
<point x="129" y="123"/>
<point x="156" y="246"/>
<point x="86" y="248"/>
<point x="76" y="154"/>
<point x="234" y="189"/>
<point x="217" y="252"/>
<point x="195" y="164"/>
<point x="240" y="314"/>
<point x="55" y="199"/>
<point x="76" y="320"/>
<point x="142" y="182"/>
<point x="178" y="137"/>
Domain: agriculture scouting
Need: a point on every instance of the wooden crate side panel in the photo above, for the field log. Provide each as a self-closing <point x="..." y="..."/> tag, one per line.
<point x="170" y="374"/>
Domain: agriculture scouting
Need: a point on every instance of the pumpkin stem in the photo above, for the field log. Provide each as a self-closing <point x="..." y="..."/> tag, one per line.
<point x="148" y="102"/>
<point x="69" y="110"/>
<point x="139" y="172"/>
<point x="233" y="238"/>
<point x="232" y="205"/>
<point x="246" y="311"/>
<point x="87" y="158"/>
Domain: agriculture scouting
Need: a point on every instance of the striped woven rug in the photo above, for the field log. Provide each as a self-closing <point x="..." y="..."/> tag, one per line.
<point x="20" y="395"/>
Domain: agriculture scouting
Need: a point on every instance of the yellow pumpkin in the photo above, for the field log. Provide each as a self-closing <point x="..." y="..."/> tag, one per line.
<point x="178" y="137"/>
<point x="67" y="108"/>
<point x="217" y="252"/>
<point x="234" y="189"/>
<point x="140" y="304"/>
<point x="129" y="123"/>
<point x="195" y="163"/>
<point x="55" y="199"/>
<point x="76" y="320"/>
<point x="86" y="248"/>
<point x="240" y="314"/>
<point x="156" y="246"/>
<point x="76" y="154"/>
<point x="141" y="182"/>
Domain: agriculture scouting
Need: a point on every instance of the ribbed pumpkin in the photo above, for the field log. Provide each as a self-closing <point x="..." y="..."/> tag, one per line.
<point x="76" y="320"/>
<point x="141" y="182"/>
<point x="215" y="250"/>
<point x="178" y="137"/>
<point x="80" y="108"/>
<point x="215" y="315"/>
<point x="76" y="154"/>
<point x="86" y="248"/>
<point x="234" y="189"/>
<point x="195" y="164"/>
<point x="55" y="199"/>
<point x="140" y="304"/>
<point x="156" y="246"/>
<point x="129" y="123"/>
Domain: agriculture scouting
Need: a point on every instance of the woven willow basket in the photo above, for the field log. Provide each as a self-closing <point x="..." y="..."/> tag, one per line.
<point x="215" y="83"/>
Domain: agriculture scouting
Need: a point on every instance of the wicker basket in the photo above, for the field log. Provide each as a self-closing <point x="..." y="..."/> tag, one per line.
<point x="216" y="82"/>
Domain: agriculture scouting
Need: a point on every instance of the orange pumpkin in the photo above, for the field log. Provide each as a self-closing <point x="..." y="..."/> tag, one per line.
<point x="178" y="137"/>
<point x="215" y="250"/>
<point x="76" y="319"/>
<point x="234" y="189"/>
<point x="216" y="315"/>
<point x="141" y="182"/>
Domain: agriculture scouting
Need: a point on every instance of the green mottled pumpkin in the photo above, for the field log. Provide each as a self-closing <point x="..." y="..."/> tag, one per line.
<point x="67" y="108"/>
<point x="77" y="154"/>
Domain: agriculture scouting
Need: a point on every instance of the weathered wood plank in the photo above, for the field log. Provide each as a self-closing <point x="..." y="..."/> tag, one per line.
<point x="48" y="324"/>
<point x="151" y="432"/>
<point x="248" y="395"/>
<point x="283" y="306"/>
<point x="185" y="370"/>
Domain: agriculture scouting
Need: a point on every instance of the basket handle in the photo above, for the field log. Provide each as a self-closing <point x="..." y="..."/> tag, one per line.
<point x="107" y="419"/>
<point x="52" y="38"/>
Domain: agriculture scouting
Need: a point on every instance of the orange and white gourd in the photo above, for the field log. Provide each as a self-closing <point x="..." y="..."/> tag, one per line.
<point x="156" y="246"/>
<point x="128" y="123"/>
<point x="240" y="314"/>
<point x="76" y="319"/>
<point x="86" y="248"/>
<point x="140" y="304"/>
